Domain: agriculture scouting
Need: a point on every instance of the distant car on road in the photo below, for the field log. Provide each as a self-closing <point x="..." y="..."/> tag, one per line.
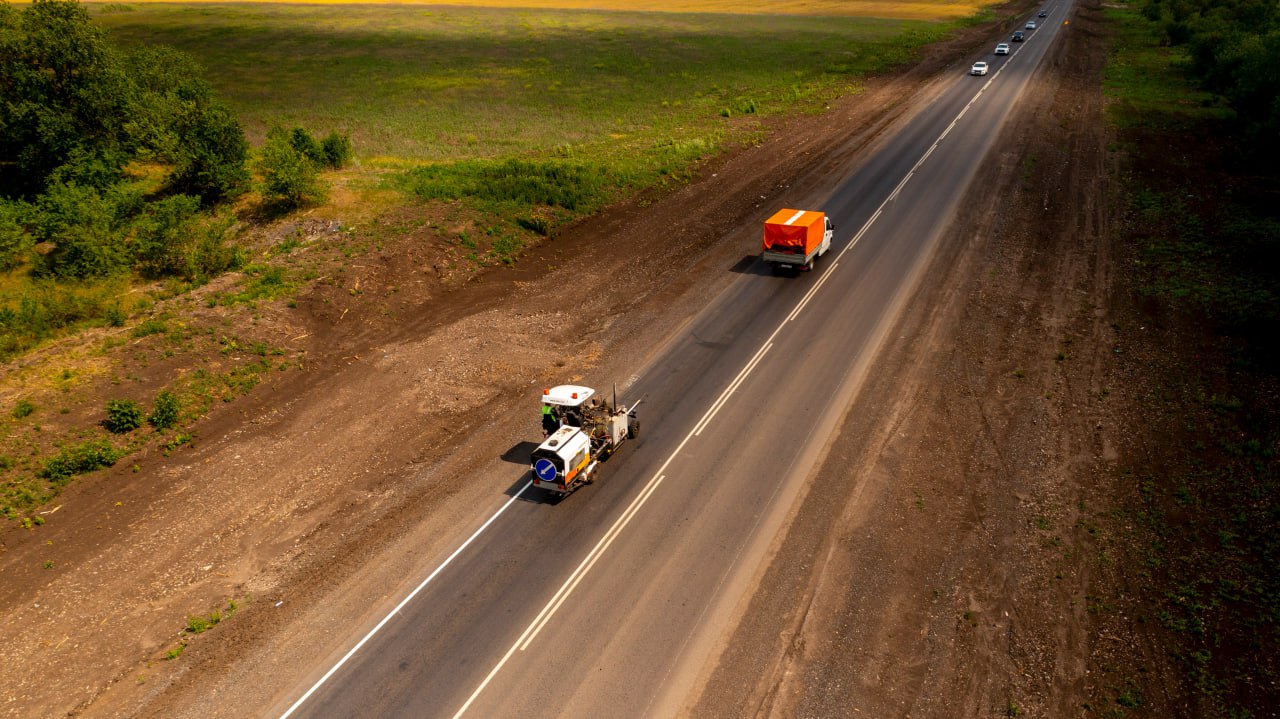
<point x="1017" y="36"/>
<point x="1002" y="48"/>
<point x="1031" y="24"/>
<point x="1043" y="14"/>
<point x="979" y="68"/>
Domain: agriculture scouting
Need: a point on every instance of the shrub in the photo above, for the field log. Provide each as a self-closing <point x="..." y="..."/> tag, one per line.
<point x="211" y="254"/>
<point x="15" y="240"/>
<point x="43" y="309"/>
<point x="306" y="145"/>
<point x="123" y="415"/>
<point x="115" y="315"/>
<point x="333" y="151"/>
<point x="150" y="326"/>
<point x="514" y="182"/>
<point x="536" y="224"/>
<point x="336" y="150"/>
<point x="289" y="177"/>
<point x="165" y="236"/>
<point x="87" y="230"/>
<point x="197" y="624"/>
<point x="165" y="410"/>
<point x="22" y="409"/>
<point x="79" y="459"/>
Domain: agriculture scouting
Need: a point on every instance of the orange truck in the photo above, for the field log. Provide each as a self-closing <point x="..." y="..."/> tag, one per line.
<point x="794" y="238"/>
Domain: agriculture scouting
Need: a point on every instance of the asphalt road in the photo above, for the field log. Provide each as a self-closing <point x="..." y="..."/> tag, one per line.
<point x="609" y="602"/>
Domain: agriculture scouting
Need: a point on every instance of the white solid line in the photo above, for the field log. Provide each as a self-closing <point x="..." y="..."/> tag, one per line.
<point x="598" y="552"/>
<point x="554" y="604"/>
<point x="724" y="398"/>
<point x="565" y="588"/>
<point x="804" y="301"/>
<point x="649" y="488"/>
<point x="403" y="602"/>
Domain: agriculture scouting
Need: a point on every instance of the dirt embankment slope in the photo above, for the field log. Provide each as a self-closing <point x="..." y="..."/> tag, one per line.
<point x="957" y="552"/>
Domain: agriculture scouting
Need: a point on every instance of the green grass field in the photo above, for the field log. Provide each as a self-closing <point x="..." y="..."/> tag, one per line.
<point x="1205" y="236"/>
<point x="633" y="91"/>
<point x="1147" y="82"/>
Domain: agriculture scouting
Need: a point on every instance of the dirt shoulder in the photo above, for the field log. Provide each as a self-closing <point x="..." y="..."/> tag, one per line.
<point x="957" y="553"/>
<point x="354" y="461"/>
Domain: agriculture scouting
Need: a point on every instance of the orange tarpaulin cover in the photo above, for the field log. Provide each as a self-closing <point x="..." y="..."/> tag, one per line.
<point x="795" y="231"/>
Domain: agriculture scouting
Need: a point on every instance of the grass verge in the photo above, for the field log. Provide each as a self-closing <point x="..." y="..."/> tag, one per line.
<point x="50" y="438"/>
<point x="1207" y="239"/>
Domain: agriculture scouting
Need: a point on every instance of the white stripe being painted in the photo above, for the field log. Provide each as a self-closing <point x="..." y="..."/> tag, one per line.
<point x="402" y="603"/>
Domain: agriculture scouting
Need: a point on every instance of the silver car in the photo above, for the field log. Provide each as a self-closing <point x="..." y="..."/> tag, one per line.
<point x="1031" y="24"/>
<point x="979" y="68"/>
<point x="1002" y="48"/>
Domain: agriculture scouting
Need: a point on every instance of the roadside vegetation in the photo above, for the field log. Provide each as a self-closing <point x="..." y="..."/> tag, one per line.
<point x="121" y="176"/>
<point x="439" y="102"/>
<point x="135" y="174"/>
<point x="1193" y="88"/>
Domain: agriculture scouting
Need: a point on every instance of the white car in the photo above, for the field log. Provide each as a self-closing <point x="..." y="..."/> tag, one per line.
<point x="979" y="68"/>
<point x="1031" y="24"/>
<point x="1002" y="48"/>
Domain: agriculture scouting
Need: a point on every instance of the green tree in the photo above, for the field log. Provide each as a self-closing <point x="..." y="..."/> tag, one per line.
<point x="1235" y="52"/>
<point x="70" y="99"/>
<point x="165" y="235"/>
<point x="210" y="160"/>
<point x="304" y="143"/>
<point x="15" y="239"/>
<point x="187" y="126"/>
<point x="290" y="178"/>
<point x="63" y="91"/>
<point x="88" y="229"/>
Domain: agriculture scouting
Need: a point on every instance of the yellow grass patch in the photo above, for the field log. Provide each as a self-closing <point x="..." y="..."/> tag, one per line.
<point x="906" y="10"/>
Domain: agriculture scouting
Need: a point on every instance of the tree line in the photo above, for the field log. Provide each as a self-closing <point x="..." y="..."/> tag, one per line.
<point x="1234" y="47"/>
<point x="111" y="161"/>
